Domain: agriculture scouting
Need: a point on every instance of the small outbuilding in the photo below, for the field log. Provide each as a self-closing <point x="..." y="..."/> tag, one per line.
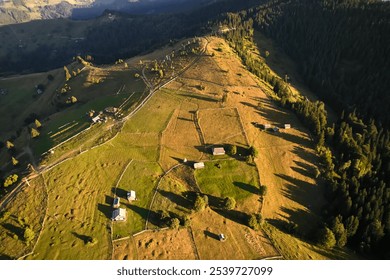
<point x="131" y="196"/>
<point x="111" y="110"/>
<point x="119" y="214"/>
<point x="267" y="126"/>
<point x="198" y="165"/>
<point x="287" y="126"/>
<point x="116" y="202"/>
<point x="218" y="151"/>
<point x="221" y="237"/>
<point x="96" y="119"/>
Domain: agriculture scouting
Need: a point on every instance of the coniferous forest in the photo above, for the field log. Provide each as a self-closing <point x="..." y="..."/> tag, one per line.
<point x="341" y="48"/>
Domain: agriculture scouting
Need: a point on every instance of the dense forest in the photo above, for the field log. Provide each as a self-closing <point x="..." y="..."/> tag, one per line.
<point x="341" y="49"/>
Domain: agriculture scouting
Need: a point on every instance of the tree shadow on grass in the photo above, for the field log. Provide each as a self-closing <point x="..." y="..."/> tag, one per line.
<point x="200" y="97"/>
<point x="109" y="200"/>
<point x="5" y="257"/>
<point x="177" y="199"/>
<point x="215" y="201"/>
<point x="304" y="154"/>
<point x="298" y="190"/>
<point x="294" y="138"/>
<point x="154" y="217"/>
<point x="247" y="187"/>
<point x="234" y="215"/>
<point x="249" y="105"/>
<point x="14" y="229"/>
<point x="122" y="193"/>
<point x="210" y="234"/>
<point x="84" y="238"/>
<point x="106" y="210"/>
<point x="302" y="171"/>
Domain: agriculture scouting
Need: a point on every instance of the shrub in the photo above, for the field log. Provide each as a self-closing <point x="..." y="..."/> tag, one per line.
<point x="200" y="203"/>
<point x="28" y="235"/>
<point x="263" y="190"/>
<point x="174" y="223"/>
<point x="231" y="149"/>
<point x="229" y="203"/>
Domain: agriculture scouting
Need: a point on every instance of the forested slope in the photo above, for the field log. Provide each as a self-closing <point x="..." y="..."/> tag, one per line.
<point x="342" y="50"/>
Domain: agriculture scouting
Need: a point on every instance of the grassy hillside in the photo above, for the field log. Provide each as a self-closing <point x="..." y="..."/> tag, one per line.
<point x="214" y="101"/>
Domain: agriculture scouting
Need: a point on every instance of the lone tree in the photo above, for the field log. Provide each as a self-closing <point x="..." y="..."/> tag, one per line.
<point x="67" y="74"/>
<point x="255" y="221"/>
<point x="253" y="152"/>
<point x="174" y="223"/>
<point x="263" y="190"/>
<point x="231" y="149"/>
<point x="9" y="145"/>
<point x="34" y="133"/>
<point x="201" y="202"/>
<point x="37" y="123"/>
<point x="14" y="161"/>
<point x="28" y="235"/>
<point x="229" y="203"/>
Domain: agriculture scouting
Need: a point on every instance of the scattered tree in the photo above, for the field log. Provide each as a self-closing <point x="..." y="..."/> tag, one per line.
<point x="263" y="190"/>
<point x="67" y="74"/>
<point x="9" y="145"/>
<point x="255" y="221"/>
<point x="14" y="161"/>
<point x="28" y="235"/>
<point x="174" y="223"/>
<point x="37" y="123"/>
<point x="201" y="202"/>
<point x="231" y="149"/>
<point x="253" y="151"/>
<point x="34" y="133"/>
<point x="229" y="203"/>
<point x="10" y="180"/>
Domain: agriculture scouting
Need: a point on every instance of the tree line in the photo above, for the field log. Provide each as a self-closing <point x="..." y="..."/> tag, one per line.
<point x="355" y="151"/>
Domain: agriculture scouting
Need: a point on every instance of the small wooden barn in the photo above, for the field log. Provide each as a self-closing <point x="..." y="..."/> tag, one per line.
<point x="198" y="165"/>
<point x="131" y="196"/>
<point x="218" y="151"/>
<point x="119" y="214"/>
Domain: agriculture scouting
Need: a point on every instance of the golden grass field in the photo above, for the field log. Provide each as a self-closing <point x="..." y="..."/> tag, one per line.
<point x="160" y="136"/>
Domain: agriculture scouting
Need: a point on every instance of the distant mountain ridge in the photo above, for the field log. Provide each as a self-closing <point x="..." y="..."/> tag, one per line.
<point x="18" y="11"/>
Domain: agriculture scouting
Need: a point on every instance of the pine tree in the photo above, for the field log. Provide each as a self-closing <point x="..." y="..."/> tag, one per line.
<point x="67" y="74"/>
<point x="14" y="161"/>
<point x="34" y="133"/>
<point x="37" y="124"/>
<point x="9" y="145"/>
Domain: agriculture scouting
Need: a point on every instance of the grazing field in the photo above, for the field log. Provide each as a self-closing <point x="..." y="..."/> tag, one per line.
<point x="27" y="209"/>
<point x="230" y="178"/>
<point x="198" y="109"/>
<point x="141" y="177"/>
<point x="241" y="242"/>
<point x="222" y="126"/>
<point x="124" y="249"/>
<point x="165" y="245"/>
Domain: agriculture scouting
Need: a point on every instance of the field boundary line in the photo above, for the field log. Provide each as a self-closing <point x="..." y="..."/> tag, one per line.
<point x="112" y="223"/>
<point x="189" y="229"/>
<point x="43" y="221"/>
<point x="242" y="125"/>
<point x="155" y="192"/>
